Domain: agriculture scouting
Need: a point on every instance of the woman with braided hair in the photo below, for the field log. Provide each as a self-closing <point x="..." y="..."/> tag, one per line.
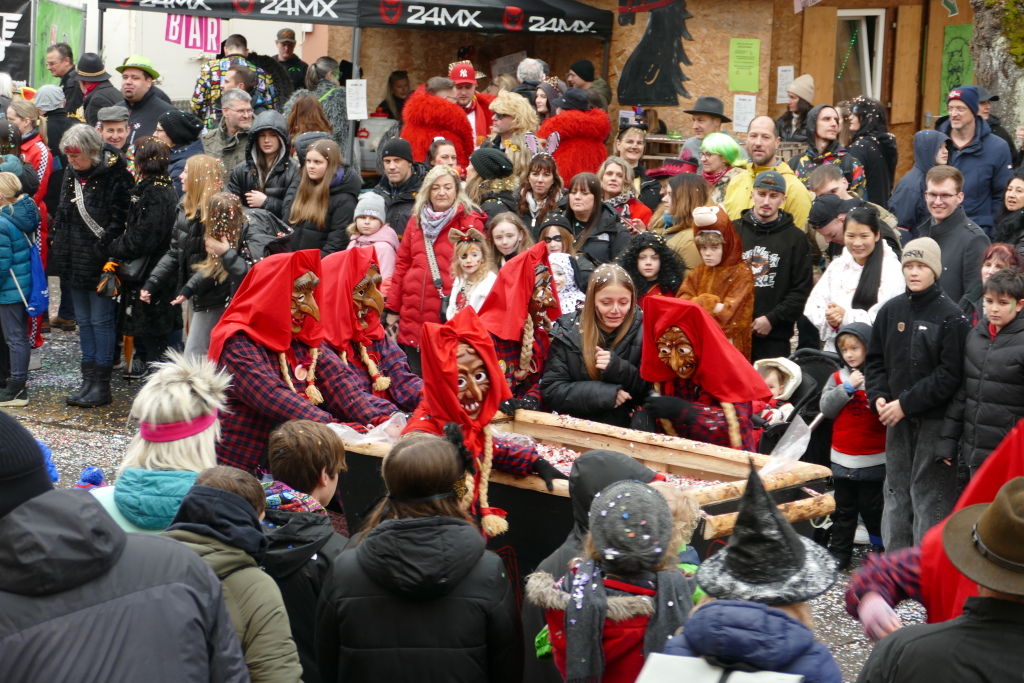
<point x="518" y="315"/>
<point x="703" y="386"/>
<point x="461" y="384"/>
<point x="271" y="340"/>
<point x="351" y="299"/>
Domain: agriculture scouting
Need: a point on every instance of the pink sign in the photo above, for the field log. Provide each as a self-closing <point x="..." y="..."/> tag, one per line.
<point x="194" y="33"/>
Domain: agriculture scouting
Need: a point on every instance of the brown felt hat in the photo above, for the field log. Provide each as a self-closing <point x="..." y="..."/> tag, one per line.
<point x="984" y="541"/>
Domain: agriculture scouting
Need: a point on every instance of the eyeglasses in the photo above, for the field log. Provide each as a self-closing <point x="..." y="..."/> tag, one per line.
<point x="944" y="198"/>
<point x="240" y="112"/>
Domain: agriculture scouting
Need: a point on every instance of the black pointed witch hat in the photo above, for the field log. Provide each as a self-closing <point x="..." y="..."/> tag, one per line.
<point x="766" y="560"/>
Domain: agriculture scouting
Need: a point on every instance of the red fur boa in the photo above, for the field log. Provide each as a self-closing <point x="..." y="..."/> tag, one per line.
<point x="582" y="146"/>
<point x="427" y="117"/>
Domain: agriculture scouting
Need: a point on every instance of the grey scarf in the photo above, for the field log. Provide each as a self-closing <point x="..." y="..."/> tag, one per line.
<point x="432" y="222"/>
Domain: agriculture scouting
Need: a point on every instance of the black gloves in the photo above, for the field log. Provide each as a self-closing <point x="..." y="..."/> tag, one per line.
<point x="643" y="420"/>
<point x="529" y="403"/>
<point x="509" y="407"/>
<point x="547" y="472"/>
<point x="669" y="407"/>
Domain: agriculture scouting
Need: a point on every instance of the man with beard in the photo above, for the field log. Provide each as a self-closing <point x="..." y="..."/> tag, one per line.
<point x="762" y="145"/>
<point x="778" y="254"/>
<point x="145" y="108"/>
<point x="401" y="181"/>
<point x="229" y="139"/>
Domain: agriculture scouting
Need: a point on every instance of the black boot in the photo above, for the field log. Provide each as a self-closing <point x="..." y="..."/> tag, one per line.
<point x="14" y="394"/>
<point x="99" y="391"/>
<point x="87" y="377"/>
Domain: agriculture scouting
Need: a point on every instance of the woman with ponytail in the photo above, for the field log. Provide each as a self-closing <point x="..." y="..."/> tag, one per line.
<point x="593" y="367"/>
<point x="855" y="285"/>
<point x="419" y="598"/>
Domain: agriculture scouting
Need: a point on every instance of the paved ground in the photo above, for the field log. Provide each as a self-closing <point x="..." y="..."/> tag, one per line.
<point x="100" y="436"/>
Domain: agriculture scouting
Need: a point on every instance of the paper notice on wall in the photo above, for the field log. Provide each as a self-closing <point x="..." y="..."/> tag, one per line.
<point x="743" y="107"/>
<point x="744" y="64"/>
<point x="355" y="96"/>
<point x="786" y="74"/>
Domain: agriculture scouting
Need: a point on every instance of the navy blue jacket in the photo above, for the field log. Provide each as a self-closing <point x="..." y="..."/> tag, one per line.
<point x="987" y="168"/>
<point x="768" y="639"/>
<point x="907" y="201"/>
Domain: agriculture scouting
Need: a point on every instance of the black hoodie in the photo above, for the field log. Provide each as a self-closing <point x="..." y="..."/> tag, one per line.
<point x="246" y="177"/>
<point x="779" y="256"/>
<point x="82" y="600"/>
<point x="341" y="207"/>
<point x="420" y="600"/>
<point x="303" y="548"/>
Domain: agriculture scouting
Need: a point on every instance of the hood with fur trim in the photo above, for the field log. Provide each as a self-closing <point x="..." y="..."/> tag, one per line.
<point x="544" y="591"/>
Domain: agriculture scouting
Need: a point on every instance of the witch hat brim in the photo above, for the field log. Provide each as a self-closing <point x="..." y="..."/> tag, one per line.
<point x="766" y="561"/>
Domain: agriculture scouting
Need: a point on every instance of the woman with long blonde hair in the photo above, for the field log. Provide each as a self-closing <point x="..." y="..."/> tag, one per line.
<point x="324" y="201"/>
<point x="593" y="366"/>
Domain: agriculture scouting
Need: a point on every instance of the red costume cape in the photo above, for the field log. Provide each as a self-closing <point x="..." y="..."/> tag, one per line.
<point x="581" y="147"/>
<point x="722" y="371"/>
<point x="943" y="588"/>
<point x="428" y="116"/>
<point x="504" y="312"/>
<point x="440" y="404"/>
<point x="261" y="308"/>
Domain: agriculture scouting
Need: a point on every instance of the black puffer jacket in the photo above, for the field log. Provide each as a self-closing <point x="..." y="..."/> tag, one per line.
<point x="420" y="600"/>
<point x="150" y="222"/>
<point x="567" y="387"/>
<point x="340" y="210"/>
<point x="400" y="200"/>
<point x="916" y="352"/>
<point x="303" y="548"/>
<point x="76" y="253"/>
<point x="494" y="203"/>
<point x="607" y="240"/>
<point x="263" y="234"/>
<point x="246" y="176"/>
<point x="82" y="600"/>
<point x="990" y="400"/>
<point x="57" y="122"/>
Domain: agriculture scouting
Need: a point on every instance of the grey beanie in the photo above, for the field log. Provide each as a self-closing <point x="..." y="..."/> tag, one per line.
<point x="631" y="527"/>
<point x="371" y="204"/>
<point x="924" y="250"/>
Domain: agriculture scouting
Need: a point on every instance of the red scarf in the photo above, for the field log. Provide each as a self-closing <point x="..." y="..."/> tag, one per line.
<point x="261" y="308"/>
<point x="713" y="178"/>
<point x="342" y="272"/>
<point x="440" y="403"/>
<point x="507" y="306"/>
<point x="943" y="588"/>
<point x="722" y="371"/>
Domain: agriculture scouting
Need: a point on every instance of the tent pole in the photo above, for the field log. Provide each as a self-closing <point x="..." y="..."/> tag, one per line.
<point x="99" y="32"/>
<point x="357" y="41"/>
<point x="607" y="54"/>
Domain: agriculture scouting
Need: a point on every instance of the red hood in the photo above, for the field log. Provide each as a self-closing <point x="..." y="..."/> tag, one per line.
<point x="507" y="306"/>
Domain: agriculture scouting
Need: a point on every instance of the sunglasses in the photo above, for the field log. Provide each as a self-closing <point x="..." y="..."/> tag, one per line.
<point x="498" y="116"/>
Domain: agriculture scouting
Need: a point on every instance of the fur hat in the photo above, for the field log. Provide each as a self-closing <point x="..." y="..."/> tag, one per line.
<point x="23" y="470"/>
<point x="766" y="561"/>
<point x="182" y="127"/>
<point x="397" y="147"/>
<point x="584" y="68"/>
<point x="371" y="204"/>
<point x="983" y="541"/>
<point x="491" y="163"/>
<point x="803" y="87"/>
<point x="631" y="527"/>
<point x="924" y="250"/>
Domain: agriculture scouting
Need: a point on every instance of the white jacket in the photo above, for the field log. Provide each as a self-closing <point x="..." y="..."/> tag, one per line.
<point x="475" y="297"/>
<point x="839" y="283"/>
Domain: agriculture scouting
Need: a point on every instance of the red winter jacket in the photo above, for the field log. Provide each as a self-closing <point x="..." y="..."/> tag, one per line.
<point x="428" y="116"/>
<point x="35" y="152"/>
<point x="582" y="135"/>
<point x="413" y="295"/>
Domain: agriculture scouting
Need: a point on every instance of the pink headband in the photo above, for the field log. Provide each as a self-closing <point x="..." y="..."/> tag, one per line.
<point x="174" y="431"/>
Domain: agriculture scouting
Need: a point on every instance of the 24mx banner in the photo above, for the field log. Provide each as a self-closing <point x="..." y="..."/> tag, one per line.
<point x="15" y="38"/>
<point x="339" y="12"/>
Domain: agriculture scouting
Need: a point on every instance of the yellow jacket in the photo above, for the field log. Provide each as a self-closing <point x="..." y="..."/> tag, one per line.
<point x="798" y="199"/>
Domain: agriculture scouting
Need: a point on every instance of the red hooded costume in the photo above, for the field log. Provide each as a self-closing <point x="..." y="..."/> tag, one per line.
<point x="440" y="404"/>
<point x="723" y="377"/>
<point x="505" y="314"/>
<point x="381" y="368"/>
<point x="254" y="342"/>
<point x="581" y="141"/>
<point x="428" y="116"/>
<point x="730" y="283"/>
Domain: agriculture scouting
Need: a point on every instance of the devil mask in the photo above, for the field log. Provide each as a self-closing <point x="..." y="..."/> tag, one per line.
<point x="523" y="288"/>
<point x="367" y="297"/>
<point x="543" y="297"/>
<point x="676" y="351"/>
<point x="350" y="298"/>
<point x="303" y="302"/>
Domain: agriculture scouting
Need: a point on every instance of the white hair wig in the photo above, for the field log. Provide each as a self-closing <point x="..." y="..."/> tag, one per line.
<point x="183" y="388"/>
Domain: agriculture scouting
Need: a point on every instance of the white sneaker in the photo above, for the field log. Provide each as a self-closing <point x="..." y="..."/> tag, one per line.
<point x="33" y="360"/>
<point x="861" y="537"/>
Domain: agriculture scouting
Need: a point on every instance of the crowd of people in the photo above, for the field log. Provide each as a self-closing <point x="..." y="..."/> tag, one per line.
<point x="515" y="252"/>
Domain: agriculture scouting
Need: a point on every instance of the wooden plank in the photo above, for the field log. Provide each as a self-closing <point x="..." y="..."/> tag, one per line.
<point x="818" y="54"/>
<point x="906" y="64"/>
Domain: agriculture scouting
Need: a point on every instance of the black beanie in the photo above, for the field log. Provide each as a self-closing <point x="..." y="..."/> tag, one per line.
<point x="584" y="69"/>
<point x="491" y="163"/>
<point x="23" y="472"/>
<point x="397" y="147"/>
<point x="182" y="127"/>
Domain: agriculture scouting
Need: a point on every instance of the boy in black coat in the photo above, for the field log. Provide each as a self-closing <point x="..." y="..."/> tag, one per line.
<point x="914" y="366"/>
